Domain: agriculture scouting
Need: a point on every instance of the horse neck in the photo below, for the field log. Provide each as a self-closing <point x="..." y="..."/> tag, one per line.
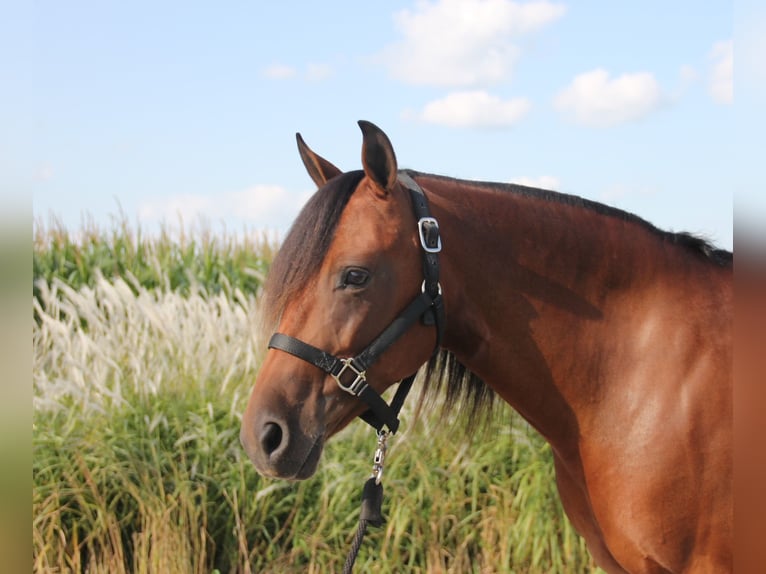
<point x="528" y="281"/>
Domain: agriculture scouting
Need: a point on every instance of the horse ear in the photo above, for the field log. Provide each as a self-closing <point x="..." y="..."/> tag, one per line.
<point x="378" y="156"/>
<point x="320" y="170"/>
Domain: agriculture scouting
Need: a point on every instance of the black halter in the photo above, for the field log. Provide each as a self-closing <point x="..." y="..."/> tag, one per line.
<point x="351" y="373"/>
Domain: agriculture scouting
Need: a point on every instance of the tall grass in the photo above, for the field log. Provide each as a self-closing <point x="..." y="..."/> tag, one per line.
<point x="176" y="258"/>
<point x="102" y="347"/>
<point x="138" y="395"/>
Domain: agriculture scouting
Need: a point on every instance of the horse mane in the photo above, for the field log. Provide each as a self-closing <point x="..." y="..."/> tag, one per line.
<point x="466" y="393"/>
<point x="694" y="243"/>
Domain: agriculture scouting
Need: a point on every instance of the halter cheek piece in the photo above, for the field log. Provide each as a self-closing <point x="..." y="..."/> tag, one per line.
<point x="351" y="373"/>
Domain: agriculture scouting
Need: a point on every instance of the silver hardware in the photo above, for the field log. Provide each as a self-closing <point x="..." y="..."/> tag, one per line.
<point x="423" y="287"/>
<point x="421" y="232"/>
<point x="357" y="386"/>
<point x="380" y="456"/>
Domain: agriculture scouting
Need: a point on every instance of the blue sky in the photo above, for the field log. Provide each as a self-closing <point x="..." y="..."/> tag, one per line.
<point x="190" y="108"/>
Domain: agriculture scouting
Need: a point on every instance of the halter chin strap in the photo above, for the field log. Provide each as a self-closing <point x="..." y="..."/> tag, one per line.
<point x="351" y="373"/>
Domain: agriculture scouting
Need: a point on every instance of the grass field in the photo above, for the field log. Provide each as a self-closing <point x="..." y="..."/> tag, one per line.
<point x="144" y="352"/>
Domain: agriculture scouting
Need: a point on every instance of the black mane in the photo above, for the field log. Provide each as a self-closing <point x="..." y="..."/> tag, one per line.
<point x="692" y="242"/>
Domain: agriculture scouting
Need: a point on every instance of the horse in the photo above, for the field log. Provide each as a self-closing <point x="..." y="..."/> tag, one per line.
<point x="611" y="337"/>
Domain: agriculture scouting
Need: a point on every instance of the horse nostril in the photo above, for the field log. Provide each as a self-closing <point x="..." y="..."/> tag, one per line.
<point x="271" y="437"/>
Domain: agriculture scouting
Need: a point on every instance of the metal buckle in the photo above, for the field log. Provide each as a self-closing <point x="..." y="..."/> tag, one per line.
<point x="421" y="232"/>
<point x="360" y="378"/>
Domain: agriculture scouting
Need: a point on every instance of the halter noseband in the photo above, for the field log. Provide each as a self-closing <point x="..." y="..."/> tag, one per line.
<point x="351" y="373"/>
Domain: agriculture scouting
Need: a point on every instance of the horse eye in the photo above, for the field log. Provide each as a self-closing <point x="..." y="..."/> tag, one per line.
<point x="356" y="277"/>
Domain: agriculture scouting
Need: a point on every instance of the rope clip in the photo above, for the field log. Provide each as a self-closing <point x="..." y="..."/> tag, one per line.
<point x="380" y="456"/>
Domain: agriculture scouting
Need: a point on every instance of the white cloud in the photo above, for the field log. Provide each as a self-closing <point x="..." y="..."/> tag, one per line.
<point x="463" y="43"/>
<point x="595" y="99"/>
<point x="260" y="206"/>
<point x="473" y="109"/>
<point x="721" y="86"/>
<point x="279" y="72"/>
<point x="543" y="182"/>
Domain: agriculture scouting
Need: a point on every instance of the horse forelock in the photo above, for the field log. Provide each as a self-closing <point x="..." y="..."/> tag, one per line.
<point x="306" y="244"/>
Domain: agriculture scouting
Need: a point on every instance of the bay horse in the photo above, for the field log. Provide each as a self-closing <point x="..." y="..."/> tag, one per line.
<point x="611" y="337"/>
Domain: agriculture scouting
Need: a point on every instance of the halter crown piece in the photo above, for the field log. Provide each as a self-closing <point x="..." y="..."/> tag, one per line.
<point x="350" y="373"/>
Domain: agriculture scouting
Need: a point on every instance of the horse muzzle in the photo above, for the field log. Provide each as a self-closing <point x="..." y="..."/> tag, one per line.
<point x="279" y="449"/>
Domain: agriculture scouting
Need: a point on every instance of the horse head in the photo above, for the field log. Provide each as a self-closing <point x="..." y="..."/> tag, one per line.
<point x="349" y="265"/>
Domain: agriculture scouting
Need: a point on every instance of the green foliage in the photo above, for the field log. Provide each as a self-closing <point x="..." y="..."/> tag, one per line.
<point x="163" y="486"/>
<point x="139" y="387"/>
<point x="176" y="260"/>
<point x="130" y="493"/>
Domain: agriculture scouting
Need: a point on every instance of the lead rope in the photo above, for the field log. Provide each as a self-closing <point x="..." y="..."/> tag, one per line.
<point x="372" y="502"/>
